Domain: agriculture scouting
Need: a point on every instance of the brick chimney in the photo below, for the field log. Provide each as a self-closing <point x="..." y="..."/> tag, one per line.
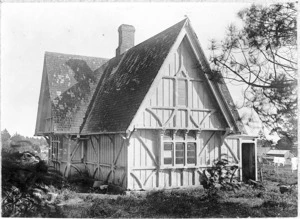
<point x="126" y="38"/>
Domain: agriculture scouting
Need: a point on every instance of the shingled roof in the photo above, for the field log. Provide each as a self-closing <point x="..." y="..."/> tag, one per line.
<point x="72" y="80"/>
<point x="127" y="81"/>
<point x="227" y="97"/>
<point x="96" y="95"/>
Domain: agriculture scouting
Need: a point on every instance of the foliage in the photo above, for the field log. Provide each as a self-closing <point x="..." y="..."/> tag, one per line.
<point x="281" y="174"/>
<point x="18" y="137"/>
<point x="221" y="175"/>
<point x="25" y="185"/>
<point x="5" y="139"/>
<point x="247" y="202"/>
<point x="284" y="144"/>
<point x="263" y="56"/>
<point x="264" y="143"/>
<point x="25" y="142"/>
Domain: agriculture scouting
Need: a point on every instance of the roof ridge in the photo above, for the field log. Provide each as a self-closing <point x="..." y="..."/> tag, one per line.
<point x="74" y="55"/>
<point x="182" y="22"/>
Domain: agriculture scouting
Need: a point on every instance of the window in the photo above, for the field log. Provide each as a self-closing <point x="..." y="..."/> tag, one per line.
<point x="179" y="153"/>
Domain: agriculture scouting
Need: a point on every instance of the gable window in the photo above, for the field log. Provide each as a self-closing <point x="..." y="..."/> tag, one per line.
<point x="179" y="151"/>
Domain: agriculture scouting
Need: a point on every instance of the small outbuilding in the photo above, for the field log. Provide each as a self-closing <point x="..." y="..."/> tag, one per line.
<point x="152" y="117"/>
<point x="279" y="154"/>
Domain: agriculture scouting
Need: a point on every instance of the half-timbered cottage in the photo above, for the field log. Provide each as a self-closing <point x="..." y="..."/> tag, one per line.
<point x="152" y="117"/>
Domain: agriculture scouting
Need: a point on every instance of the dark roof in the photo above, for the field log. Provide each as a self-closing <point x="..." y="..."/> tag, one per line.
<point x="126" y="82"/>
<point x="227" y="97"/>
<point x="93" y="95"/>
<point x="72" y="81"/>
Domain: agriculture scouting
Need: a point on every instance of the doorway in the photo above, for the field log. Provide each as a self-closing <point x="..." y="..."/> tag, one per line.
<point x="248" y="161"/>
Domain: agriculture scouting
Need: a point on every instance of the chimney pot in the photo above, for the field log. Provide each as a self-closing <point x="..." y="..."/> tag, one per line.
<point x="126" y="38"/>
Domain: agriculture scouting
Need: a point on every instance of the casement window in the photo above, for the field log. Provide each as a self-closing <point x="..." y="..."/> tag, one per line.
<point x="168" y="153"/>
<point x="178" y="149"/>
<point x="56" y="148"/>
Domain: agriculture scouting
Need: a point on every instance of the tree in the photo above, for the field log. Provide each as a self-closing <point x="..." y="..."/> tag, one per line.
<point x="5" y="137"/>
<point x="17" y="137"/>
<point x="284" y="144"/>
<point x="263" y="56"/>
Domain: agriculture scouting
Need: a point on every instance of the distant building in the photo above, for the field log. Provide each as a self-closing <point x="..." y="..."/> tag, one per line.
<point x="279" y="153"/>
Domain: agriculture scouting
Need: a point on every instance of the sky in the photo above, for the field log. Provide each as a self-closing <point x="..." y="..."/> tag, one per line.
<point x="89" y="29"/>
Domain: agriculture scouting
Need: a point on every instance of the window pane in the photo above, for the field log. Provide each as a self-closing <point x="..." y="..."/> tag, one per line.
<point x="191" y="146"/>
<point x="167" y="160"/>
<point x="179" y="153"/>
<point x="167" y="146"/>
<point x="179" y="146"/>
<point x="191" y="153"/>
<point x="182" y="92"/>
<point x="191" y="160"/>
<point x="179" y="160"/>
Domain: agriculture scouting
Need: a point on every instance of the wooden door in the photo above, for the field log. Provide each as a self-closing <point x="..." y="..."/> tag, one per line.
<point x="248" y="161"/>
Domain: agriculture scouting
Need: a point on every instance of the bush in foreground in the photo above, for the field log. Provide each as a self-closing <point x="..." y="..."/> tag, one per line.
<point x="26" y="190"/>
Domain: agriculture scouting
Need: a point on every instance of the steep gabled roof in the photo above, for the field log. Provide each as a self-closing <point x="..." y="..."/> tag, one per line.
<point x="218" y="86"/>
<point x="72" y="80"/>
<point x="93" y="95"/>
<point x="231" y="106"/>
<point x="127" y="81"/>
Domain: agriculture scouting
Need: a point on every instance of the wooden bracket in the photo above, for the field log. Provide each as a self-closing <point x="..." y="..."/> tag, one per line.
<point x="198" y="133"/>
<point x="162" y="132"/>
<point x="174" y="133"/>
<point x="225" y="135"/>
<point x="186" y="132"/>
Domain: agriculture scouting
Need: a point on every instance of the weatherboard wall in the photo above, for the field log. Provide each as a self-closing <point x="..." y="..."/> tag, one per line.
<point x="103" y="157"/>
<point x="106" y="157"/>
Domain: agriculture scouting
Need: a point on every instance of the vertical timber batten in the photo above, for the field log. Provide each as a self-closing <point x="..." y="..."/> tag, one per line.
<point x="68" y="170"/>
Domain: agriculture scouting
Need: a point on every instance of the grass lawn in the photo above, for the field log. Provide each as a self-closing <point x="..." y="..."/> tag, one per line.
<point x="246" y="202"/>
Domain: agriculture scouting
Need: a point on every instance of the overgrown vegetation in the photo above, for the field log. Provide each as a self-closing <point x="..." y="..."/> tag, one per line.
<point x="27" y="185"/>
<point x="247" y="202"/>
<point x="221" y="175"/>
<point x="28" y="191"/>
<point x="212" y="202"/>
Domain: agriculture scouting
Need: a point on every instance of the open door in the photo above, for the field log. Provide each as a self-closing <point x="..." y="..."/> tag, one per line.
<point x="248" y="161"/>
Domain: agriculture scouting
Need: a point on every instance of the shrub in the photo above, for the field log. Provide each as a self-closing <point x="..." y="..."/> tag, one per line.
<point x="24" y="185"/>
<point x="221" y="175"/>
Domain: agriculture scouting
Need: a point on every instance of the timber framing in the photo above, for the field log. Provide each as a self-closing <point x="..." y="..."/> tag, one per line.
<point x="149" y="118"/>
